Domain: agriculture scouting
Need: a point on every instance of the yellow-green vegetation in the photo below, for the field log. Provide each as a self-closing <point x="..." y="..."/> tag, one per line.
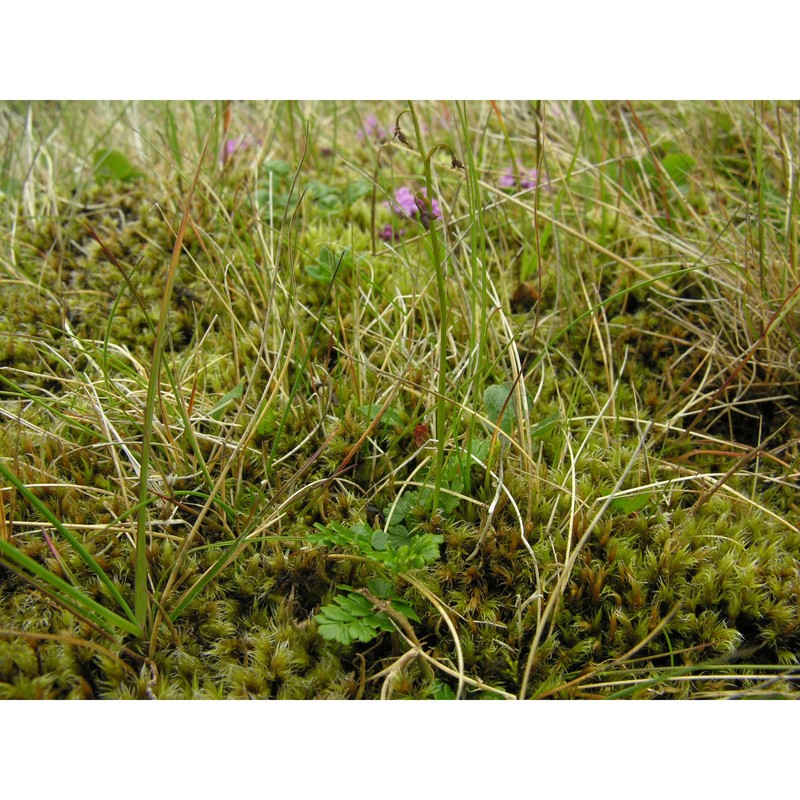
<point x="409" y="400"/>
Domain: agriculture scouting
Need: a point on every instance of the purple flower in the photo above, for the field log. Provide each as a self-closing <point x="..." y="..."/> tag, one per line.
<point x="389" y="234"/>
<point x="232" y="146"/>
<point x="404" y="202"/>
<point x="416" y="206"/>
<point x="528" y="179"/>
<point x="372" y="129"/>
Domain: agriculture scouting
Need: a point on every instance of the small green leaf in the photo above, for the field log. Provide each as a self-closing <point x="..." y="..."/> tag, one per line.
<point x="326" y="198"/>
<point x="280" y="200"/>
<point x="380" y="539"/>
<point x="419" y="550"/>
<point x="333" y="614"/>
<point x="383" y="623"/>
<point x="337" y="535"/>
<point x="355" y="191"/>
<point x="325" y="266"/>
<point x="361" y="631"/>
<point x="541" y="428"/>
<point x="441" y="691"/>
<point x="219" y="408"/>
<point x="318" y="273"/>
<point x="351" y="618"/>
<point x="678" y="166"/>
<point x="334" y="631"/>
<point x="408" y="503"/>
<point x="480" y="448"/>
<point x="631" y="503"/>
<point x="278" y="167"/>
<point x="380" y="587"/>
<point x="10" y="186"/>
<point x="399" y="534"/>
<point x="355" y="604"/>
<point x="360" y="529"/>
<point x="390" y="415"/>
<point x="113" y="165"/>
<point x="494" y="397"/>
<point x="405" y="609"/>
<point x="450" y="502"/>
<point x="427" y="547"/>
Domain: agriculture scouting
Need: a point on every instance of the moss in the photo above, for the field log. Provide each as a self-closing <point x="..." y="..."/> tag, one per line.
<point x="76" y="348"/>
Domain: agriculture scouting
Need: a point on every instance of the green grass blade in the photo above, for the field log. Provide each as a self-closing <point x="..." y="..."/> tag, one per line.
<point x="84" y="554"/>
<point x="66" y="594"/>
<point x="141" y="596"/>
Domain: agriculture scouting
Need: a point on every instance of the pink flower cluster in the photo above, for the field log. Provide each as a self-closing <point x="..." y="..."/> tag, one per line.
<point x="528" y="179"/>
<point x="389" y="234"/>
<point x="404" y="202"/>
<point x="373" y="129"/>
<point x="406" y="205"/>
<point x="232" y="146"/>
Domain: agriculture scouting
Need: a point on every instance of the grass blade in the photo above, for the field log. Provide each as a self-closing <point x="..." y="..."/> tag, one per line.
<point x="84" y="554"/>
<point x="141" y="597"/>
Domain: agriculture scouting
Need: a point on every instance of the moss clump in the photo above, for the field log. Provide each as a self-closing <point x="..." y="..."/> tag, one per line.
<point x="635" y="531"/>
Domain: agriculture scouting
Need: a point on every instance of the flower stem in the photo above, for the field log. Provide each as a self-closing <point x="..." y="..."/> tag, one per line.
<point x="438" y="265"/>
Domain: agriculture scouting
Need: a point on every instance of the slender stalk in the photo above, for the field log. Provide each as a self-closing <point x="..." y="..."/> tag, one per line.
<point x="438" y="266"/>
<point x="479" y="335"/>
<point x="140" y="574"/>
<point x="758" y="113"/>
